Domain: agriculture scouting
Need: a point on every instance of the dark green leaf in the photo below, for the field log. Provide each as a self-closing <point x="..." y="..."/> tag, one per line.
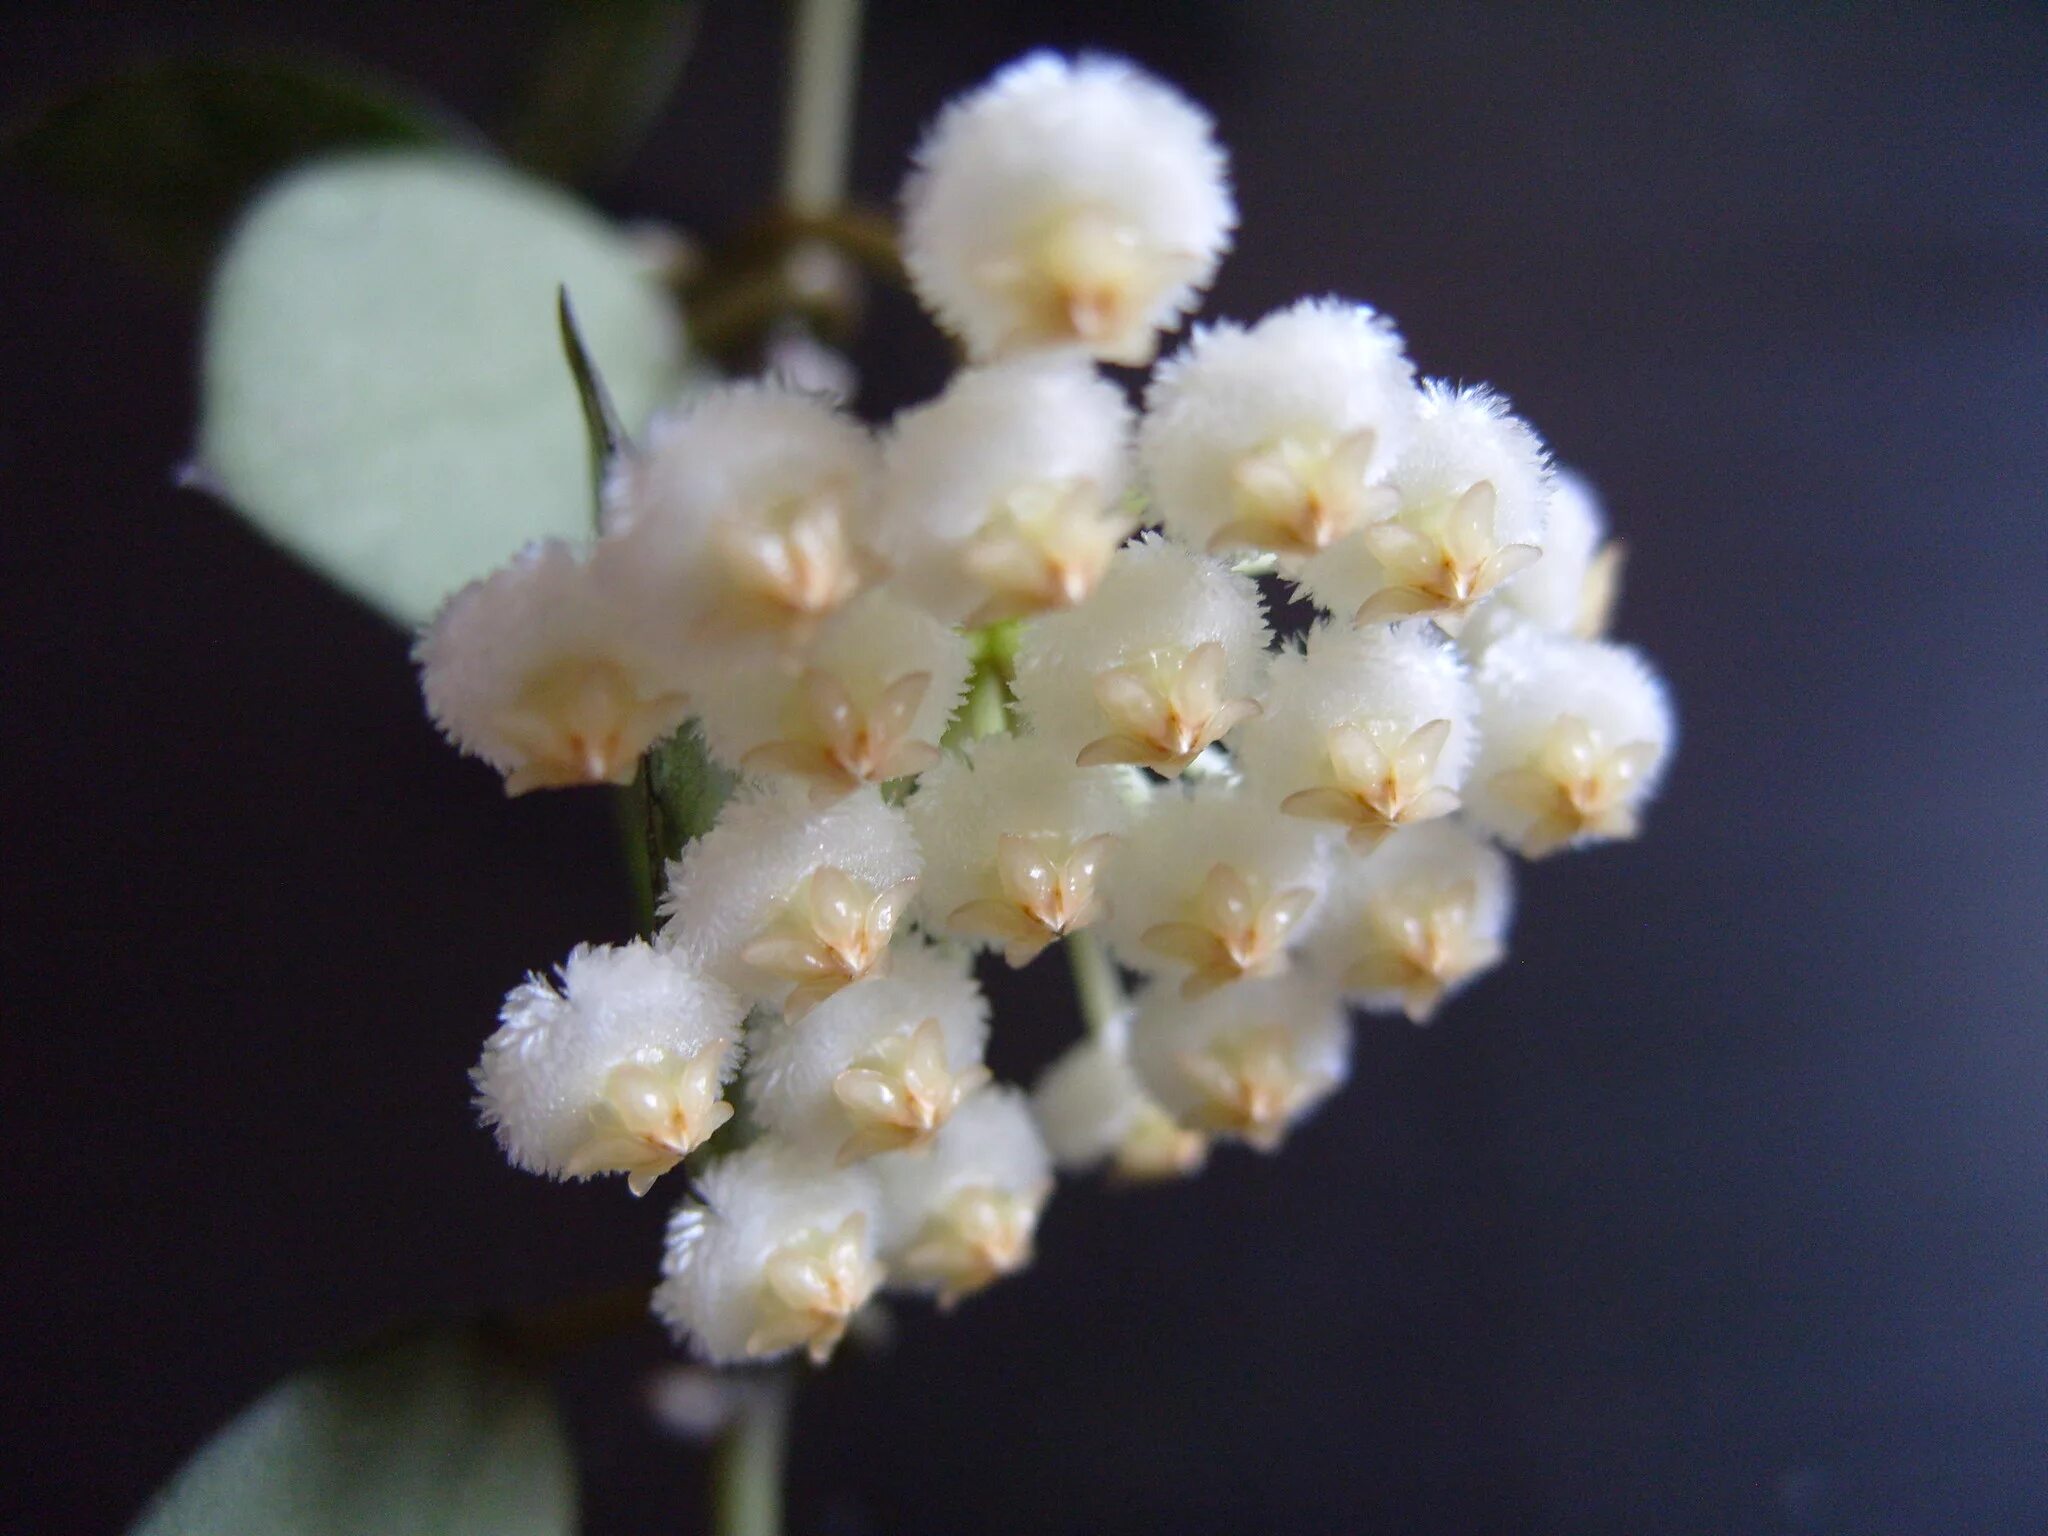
<point x="434" y="1432"/>
<point x="605" y="74"/>
<point x="168" y="154"/>
<point x="689" y="786"/>
<point x="601" y="422"/>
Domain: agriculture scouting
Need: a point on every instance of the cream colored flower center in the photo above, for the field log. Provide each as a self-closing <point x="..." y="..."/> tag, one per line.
<point x="1600" y="591"/>
<point x="1156" y="1147"/>
<point x="1440" y="559"/>
<point x="1166" y="710"/>
<point x="1251" y="1085"/>
<point x="1379" y="779"/>
<point x="1048" y="889"/>
<point x="1045" y="548"/>
<point x="1421" y="942"/>
<point x="899" y="1095"/>
<point x="1238" y="928"/>
<point x="791" y="567"/>
<point x="1575" y="784"/>
<point x="653" y="1115"/>
<point x="834" y="931"/>
<point x="583" y="720"/>
<point x="838" y="745"/>
<point x="810" y="1288"/>
<point x="1302" y="493"/>
<point x="1088" y="278"/>
<point x="978" y="1236"/>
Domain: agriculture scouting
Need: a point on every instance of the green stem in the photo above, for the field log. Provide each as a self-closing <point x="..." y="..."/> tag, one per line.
<point x="1097" y="986"/>
<point x="747" y="1466"/>
<point x="817" y="116"/>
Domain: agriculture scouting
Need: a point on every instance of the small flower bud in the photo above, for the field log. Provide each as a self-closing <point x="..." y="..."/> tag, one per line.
<point x="776" y="1253"/>
<point x="1280" y="437"/>
<point x="1167" y="660"/>
<point x="1005" y="495"/>
<point x="548" y="673"/>
<point x="1015" y="839"/>
<point x="1248" y="1062"/>
<point x="1214" y="887"/>
<point x="786" y="901"/>
<point x="869" y="704"/>
<point x="1413" y="923"/>
<point x="615" y="1069"/>
<point x="1365" y="732"/>
<point x="1574" y="736"/>
<point x="1066" y="204"/>
<point x="962" y="1213"/>
<point x="877" y="1067"/>
<point x="1470" y="495"/>
<point x="1092" y="1108"/>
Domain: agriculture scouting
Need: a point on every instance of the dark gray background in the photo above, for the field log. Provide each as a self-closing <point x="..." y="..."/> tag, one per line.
<point x="1722" y="1208"/>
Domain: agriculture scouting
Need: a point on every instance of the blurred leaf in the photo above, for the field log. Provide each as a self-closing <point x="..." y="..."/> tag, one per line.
<point x="382" y="389"/>
<point x="435" y="1432"/>
<point x="167" y="154"/>
<point x="604" y="77"/>
<point x="688" y="787"/>
<point x="607" y="435"/>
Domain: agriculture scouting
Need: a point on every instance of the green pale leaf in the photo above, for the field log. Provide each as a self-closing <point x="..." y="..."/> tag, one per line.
<point x="436" y="1432"/>
<point x="166" y="155"/>
<point x="608" y="69"/>
<point x="383" y="391"/>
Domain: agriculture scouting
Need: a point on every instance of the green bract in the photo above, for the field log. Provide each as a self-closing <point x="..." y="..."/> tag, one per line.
<point x="382" y="377"/>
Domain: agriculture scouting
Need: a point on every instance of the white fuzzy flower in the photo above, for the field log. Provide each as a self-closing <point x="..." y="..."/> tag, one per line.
<point x="1470" y="491"/>
<point x="1014" y="838"/>
<point x="615" y="1069"/>
<point x="776" y="1252"/>
<point x="1168" y="659"/>
<point x="1418" y="919"/>
<point x="1370" y="730"/>
<point x="879" y="1066"/>
<point x="1005" y="495"/>
<point x="786" y="900"/>
<point x="1279" y="437"/>
<point x="869" y="704"/>
<point x="1247" y="1062"/>
<point x="961" y="1214"/>
<point x="746" y="516"/>
<point x="1572" y="589"/>
<point x="1066" y="204"/>
<point x="1575" y="735"/>
<point x="1092" y="1108"/>
<point x="1214" y="886"/>
<point x="550" y="673"/>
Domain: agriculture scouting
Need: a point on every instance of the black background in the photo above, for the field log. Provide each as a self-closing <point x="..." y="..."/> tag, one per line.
<point x="1722" y="1208"/>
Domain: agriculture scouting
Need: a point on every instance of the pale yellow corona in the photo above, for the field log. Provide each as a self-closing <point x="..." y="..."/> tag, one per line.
<point x="811" y="1287"/>
<point x="1048" y="890"/>
<point x="1237" y="929"/>
<point x="1250" y="1085"/>
<point x="901" y="1094"/>
<point x="1380" y="779"/>
<point x="1155" y="1147"/>
<point x="582" y="720"/>
<point x="1089" y="279"/>
<point x="834" y="931"/>
<point x="1441" y="559"/>
<point x="653" y="1115"/>
<point x="1577" y="784"/>
<point x="787" y="570"/>
<point x="1302" y="493"/>
<point x="1421" y="943"/>
<point x="1045" y="549"/>
<point x="1166" y="710"/>
<point x="977" y="1237"/>
<point x="840" y="746"/>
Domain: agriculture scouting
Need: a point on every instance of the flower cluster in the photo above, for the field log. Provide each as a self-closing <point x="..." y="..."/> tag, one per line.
<point x="1001" y="677"/>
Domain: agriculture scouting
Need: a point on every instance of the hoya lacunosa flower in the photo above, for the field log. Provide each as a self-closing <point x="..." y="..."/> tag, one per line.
<point x="1422" y="916"/>
<point x="746" y="516"/>
<point x="776" y="1253"/>
<point x="1168" y="661"/>
<point x="1005" y="496"/>
<point x="1572" y="590"/>
<point x="1247" y="1062"/>
<point x="1574" y="738"/>
<point x="961" y="1214"/>
<point x="1211" y="887"/>
<point x="551" y="672"/>
<point x="1366" y="731"/>
<point x="618" y="1066"/>
<point x="1092" y="1109"/>
<point x="1467" y="516"/>
<point x="878" y="1067"/>
<point x="1279" y="438"/>
<point x="1070" y="204"/>
<point x="1015" y="839"/>
<point x="788" y="900"/>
